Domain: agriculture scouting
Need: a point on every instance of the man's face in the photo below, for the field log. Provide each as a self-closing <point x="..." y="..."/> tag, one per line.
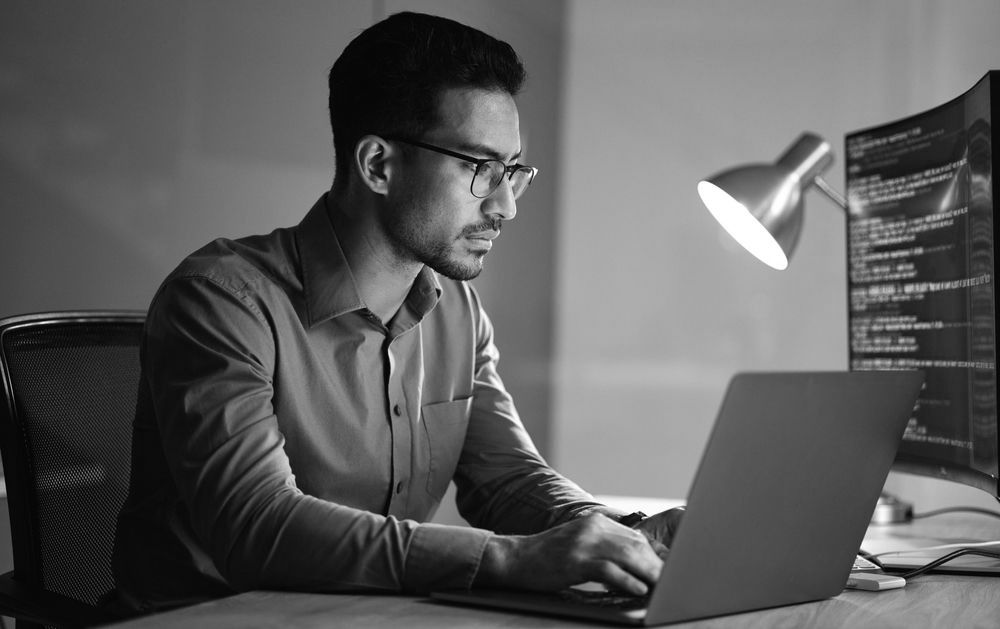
<point x="432" y="216"/>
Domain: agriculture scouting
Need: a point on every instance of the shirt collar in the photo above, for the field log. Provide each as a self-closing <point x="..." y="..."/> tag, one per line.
<point x="330" y="287"/>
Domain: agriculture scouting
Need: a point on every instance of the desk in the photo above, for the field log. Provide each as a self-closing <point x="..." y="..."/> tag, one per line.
<point x="929" y="601"/>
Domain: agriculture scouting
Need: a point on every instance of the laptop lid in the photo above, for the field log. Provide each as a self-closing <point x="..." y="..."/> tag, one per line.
<point x="780" y="503"/>
<point x="785" y="491"/>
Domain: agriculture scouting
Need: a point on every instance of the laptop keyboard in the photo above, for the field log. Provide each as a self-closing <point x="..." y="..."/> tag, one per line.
<point x="616" y="600"/>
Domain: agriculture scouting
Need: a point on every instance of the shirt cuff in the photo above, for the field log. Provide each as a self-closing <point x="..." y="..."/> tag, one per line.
<point x="614" y="514"/>
<point x="443" y="557"/>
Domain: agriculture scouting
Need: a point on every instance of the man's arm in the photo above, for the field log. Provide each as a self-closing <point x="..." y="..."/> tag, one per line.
<point x="503" y="483"/>
<point x="553" y="533"/>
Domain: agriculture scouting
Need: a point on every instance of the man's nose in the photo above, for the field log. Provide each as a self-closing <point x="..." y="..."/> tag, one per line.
<point x="501" y="201"/>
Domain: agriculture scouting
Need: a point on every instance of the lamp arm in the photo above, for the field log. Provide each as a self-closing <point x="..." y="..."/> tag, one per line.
<point x="834" y="196"/>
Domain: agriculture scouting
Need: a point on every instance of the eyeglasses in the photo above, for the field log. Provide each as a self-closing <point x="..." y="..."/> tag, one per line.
<point x="489" y="172"/>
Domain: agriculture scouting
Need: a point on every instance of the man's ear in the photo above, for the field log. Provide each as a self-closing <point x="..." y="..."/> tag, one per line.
<point x="372" y="158"/>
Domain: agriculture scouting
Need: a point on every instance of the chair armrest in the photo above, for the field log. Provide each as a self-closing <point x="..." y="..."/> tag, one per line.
<point x="24" y="602"/>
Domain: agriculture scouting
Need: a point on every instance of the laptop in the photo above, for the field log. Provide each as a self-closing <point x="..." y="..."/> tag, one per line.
<point x="779" y="505"/>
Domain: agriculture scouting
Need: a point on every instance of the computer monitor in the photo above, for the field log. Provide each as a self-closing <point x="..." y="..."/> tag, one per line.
<point x="921" y="247"/>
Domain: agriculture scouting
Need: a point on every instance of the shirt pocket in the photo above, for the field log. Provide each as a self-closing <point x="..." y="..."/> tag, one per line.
<point x="444" y="424"/>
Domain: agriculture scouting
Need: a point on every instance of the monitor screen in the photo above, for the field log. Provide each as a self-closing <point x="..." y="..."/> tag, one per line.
<point x="921" y="288"/>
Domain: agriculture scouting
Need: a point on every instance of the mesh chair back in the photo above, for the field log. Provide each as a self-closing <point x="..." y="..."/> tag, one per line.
<point x="71" y="382"/>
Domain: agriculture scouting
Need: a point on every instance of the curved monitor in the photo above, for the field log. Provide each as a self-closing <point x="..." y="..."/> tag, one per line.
<point x="921" y="276"/>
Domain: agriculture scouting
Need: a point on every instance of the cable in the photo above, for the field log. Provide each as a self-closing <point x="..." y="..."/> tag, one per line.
<point x="906" y="551"/>
<point x="942" y="560"/>
<point x="928" y="514"/>
<point x="870" y="557"/>
<point x="961" y="549"/>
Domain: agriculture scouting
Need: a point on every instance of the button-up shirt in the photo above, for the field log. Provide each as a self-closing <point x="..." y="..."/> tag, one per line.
<point x="287" y="438"/>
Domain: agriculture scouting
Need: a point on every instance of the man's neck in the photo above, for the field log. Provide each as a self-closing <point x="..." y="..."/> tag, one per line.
<point x="383" y="279"/>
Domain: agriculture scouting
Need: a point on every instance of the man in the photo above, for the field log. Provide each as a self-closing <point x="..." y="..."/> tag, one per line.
<point x="308" y="395"/>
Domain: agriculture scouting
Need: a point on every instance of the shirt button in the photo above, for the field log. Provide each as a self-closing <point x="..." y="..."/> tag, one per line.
<point x="399" y="487"/>
<point x="396" y="410"/>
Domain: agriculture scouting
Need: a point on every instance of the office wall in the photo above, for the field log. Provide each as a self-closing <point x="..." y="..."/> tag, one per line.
<point x="134" y="132"/>
<point x="656" y="306"/>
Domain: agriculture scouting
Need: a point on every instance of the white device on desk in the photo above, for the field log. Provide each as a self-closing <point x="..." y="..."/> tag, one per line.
<point x="779" y="505"/>
<point x="874" y="582"/>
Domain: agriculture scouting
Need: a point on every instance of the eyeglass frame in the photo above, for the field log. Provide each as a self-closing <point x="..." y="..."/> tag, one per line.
<point x="479" y="162"/>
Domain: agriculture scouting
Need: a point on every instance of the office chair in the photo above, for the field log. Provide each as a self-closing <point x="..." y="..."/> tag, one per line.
<point x="70" y="381"/>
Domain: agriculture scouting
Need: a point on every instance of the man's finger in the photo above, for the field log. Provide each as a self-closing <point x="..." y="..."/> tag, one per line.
<point x="640" y="559"/>
<point x="661" y="550"/>
<point x="614" y="577"/>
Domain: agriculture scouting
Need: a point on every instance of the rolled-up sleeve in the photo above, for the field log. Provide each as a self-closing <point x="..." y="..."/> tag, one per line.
<point x="209" y="358"/>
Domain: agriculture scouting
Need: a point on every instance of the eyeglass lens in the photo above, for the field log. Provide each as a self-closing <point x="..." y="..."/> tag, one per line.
<point x="489" y="175"/>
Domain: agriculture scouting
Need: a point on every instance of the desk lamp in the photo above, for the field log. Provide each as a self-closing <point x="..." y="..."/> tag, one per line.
<point x="760" y="205"/>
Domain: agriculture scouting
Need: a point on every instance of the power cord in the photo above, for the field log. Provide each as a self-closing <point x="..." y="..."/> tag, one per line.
<point x="943" y="560"/>
<point x="960" y="550"/>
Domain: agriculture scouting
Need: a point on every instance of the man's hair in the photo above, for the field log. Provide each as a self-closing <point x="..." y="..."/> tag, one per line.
<point x="389" y="79"/>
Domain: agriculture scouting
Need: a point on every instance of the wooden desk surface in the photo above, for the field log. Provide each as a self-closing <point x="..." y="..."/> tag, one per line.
<point x="932" y="600"/>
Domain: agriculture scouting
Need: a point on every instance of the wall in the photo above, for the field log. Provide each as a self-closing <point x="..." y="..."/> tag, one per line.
<point x="132" y="133"/>
<point x="656" y="306"/>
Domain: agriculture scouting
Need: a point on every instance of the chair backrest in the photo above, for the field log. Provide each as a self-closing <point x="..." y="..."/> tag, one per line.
<point x="70" y="381"/>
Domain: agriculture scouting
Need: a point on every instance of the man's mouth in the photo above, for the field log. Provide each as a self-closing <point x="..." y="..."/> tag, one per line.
<point x="482" y="240"/>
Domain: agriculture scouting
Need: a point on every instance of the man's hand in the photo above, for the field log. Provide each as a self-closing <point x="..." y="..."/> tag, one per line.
<point x="591" y="548"/>
<point x="661" y="528"/>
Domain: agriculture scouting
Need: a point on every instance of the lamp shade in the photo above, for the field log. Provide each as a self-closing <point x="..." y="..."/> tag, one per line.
<point x="760" y="205"/>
